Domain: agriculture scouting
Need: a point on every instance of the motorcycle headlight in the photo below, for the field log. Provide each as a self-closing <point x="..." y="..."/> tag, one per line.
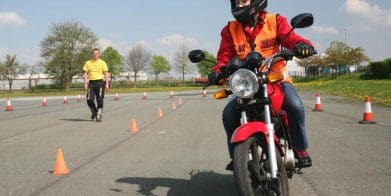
<point x="243" y="83"/>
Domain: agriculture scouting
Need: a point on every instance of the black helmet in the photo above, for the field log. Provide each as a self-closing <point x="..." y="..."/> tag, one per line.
<point x="246" y="13"/>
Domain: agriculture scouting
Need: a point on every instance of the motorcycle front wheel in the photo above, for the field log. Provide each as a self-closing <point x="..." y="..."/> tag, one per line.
<point x="251" y="168"/>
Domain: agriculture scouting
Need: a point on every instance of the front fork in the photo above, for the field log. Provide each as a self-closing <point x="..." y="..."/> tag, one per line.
<point x="271" y="133"/>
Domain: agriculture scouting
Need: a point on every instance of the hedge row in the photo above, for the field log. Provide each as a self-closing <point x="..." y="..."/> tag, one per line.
<point x="379" y="70"/>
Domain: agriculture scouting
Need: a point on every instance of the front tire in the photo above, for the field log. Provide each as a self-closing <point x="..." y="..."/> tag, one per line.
<point x="245" y="155"/>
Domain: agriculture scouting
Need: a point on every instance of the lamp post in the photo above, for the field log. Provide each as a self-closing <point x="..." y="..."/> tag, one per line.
<point x="168" y="59"/>
<point x="168" y="50"/>
<point x="346" y="29"/>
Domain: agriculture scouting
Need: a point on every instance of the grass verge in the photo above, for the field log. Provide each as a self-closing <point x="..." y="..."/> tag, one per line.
<point x="350" y="86"/>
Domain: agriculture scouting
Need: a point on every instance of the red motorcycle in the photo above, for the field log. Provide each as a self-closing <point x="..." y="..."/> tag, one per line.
<point x="263" y="155"/>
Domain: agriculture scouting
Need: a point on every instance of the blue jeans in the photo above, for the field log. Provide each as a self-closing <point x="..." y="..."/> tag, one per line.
<point x="293" y="107"/>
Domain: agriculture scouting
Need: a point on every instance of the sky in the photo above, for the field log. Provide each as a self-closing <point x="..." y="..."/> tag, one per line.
<point x="162" y="26"/>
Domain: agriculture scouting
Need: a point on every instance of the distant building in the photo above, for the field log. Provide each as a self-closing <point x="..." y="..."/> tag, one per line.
<point x="294" y="70"/>
<point x="141" y="76"/>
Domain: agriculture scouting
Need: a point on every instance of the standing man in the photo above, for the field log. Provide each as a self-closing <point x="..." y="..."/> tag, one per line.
<point x="94" y="71"/>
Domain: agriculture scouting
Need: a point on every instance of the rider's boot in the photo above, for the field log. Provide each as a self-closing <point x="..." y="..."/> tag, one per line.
<point x="99" y="115"/>
<point x="303" y="159"/>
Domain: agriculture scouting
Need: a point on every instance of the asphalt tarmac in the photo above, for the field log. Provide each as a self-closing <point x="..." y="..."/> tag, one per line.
<point x="181" y="153"/>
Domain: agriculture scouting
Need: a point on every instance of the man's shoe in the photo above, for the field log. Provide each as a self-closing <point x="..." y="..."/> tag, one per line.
<point x="99" y="115"/>
<point x="230" y="166"/>
<point x="93" y="113"/>
<point x="93" y="116"/>
<point x="303" y="159"/>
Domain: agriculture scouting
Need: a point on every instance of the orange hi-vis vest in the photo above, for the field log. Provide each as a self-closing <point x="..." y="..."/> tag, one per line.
<point x="266" y="42"/>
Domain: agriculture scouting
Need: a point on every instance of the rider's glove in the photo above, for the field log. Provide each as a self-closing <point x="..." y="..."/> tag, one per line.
<point x="303" y="50"/>
<point x="213" y="78"/>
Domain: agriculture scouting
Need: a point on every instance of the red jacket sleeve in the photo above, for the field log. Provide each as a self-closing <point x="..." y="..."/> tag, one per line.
<point x="226" y="50"/>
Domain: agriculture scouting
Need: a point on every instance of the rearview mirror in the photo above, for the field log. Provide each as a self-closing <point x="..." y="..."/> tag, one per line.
<point x="196" y="56"/>
<point x="302" y="20"/>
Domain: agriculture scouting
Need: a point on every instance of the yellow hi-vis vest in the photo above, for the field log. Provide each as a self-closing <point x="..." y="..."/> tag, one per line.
<point x="266" y="42"/>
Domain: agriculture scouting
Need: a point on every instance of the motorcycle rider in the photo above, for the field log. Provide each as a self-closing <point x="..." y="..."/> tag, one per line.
<point x="263" y="31"/>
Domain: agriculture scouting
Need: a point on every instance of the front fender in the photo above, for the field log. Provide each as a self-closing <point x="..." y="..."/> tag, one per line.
<point x="245" y="131"/>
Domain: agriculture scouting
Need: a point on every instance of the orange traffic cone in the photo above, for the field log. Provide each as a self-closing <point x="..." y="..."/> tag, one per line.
<point x="159" y="112"/>
<point x="145" y="95"/>
<point x="44" y="102"/>
<point x="173" y="106"/>
<point x="133" y="126"/>
<point x="367" y="117"/>
<point x="180" y="101"/>
<point x="318" y="104"/>
<point x="116" y="96"/>
<point x="78" y="99"/>
<point x="60" y="167"/>
<point x="171" y="94"/>
<point x="9" y="105"/>
<point x="65" y="99"/>
<point x="204" y="94"/>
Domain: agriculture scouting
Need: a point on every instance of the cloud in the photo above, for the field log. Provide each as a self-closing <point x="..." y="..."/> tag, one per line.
<point x="176" y="40"/>
<point x="105" y="42"/>
<point x="372" y="13"/>
<point x="168" y="45"/>
<point x="319" y="46"/>
<point x="115" y="35"/>
<point x="142" y="43"/>
<point x="11" y="19"/>
<point x="121" y="45"/>
<point x="325" y="30"/>
<point x="165" y="46"/>
<point x="3" y="52"/>
<point x="28" y="56"/>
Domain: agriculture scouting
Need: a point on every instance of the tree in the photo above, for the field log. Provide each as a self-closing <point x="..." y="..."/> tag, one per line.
<point x="34" y="70"/>
<point x="312" y="65"/>
<point x="65" y="51"/>
<point x="11" y="68"/>
<point x="114" y="61"/>
<point x="159" y="65"/>
<point x="137" y="60"/>
<point x="182" y="61"/>
<point x="205" y="67"/>
<point x="379" y="70"/>
<point x="358" y="56"/>
<point x="338" y="55"/>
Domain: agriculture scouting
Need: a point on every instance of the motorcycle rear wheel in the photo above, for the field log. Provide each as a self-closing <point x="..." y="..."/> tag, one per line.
<point x="246" y="182"/>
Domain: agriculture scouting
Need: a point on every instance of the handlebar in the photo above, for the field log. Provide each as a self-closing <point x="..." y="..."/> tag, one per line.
<point x="288" y="54"/>
<point x="285" y="54"/>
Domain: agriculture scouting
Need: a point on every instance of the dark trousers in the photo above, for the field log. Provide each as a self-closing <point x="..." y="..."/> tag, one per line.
<point x="292" y="105"/>
<point x="96" y="89"/>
